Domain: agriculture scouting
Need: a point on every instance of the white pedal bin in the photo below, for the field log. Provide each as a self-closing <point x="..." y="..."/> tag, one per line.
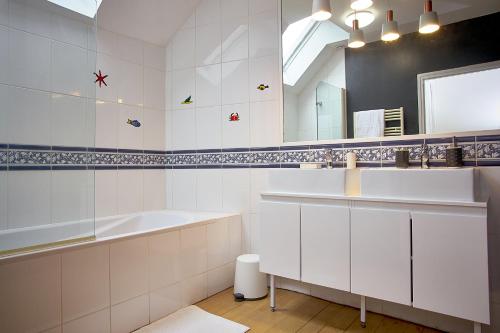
<point x="248" y="280"/>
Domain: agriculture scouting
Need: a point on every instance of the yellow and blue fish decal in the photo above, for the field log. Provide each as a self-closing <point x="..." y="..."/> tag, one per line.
<point x="263" y="87"/>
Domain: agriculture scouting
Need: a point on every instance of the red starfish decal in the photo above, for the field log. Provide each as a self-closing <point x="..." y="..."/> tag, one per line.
<point x="100" y="78"/>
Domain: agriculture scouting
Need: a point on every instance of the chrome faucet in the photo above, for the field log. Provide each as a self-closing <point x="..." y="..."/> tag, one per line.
<point x="329" y="159"/>
<point x="424" y="157"/>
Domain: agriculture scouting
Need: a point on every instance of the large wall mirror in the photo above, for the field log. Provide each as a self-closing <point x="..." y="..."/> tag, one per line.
<point x="442" y="82"/>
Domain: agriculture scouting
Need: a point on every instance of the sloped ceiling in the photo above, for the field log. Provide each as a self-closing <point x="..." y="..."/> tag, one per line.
<point x="153" y="21"/>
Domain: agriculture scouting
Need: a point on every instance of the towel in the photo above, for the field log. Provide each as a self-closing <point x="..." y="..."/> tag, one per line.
<point x="368" y="124"/>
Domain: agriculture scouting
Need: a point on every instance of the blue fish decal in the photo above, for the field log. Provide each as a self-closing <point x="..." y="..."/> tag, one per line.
<point x="134" y="123"/>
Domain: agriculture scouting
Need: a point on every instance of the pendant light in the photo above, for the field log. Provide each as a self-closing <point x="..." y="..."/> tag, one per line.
<point x="361" y="4"/>
<point x="321" y="10"/>
<point x="357" y="37"/>
<point x="390" y="31"/>
<point x="429" y="22"/>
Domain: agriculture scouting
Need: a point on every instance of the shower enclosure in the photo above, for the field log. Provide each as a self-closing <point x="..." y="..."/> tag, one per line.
<point x="47" y="123"/>
<point x="329" y="112"/>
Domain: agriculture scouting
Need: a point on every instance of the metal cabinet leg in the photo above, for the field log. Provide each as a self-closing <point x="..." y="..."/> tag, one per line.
<point x="363" y="312"/>
<point x="477" y="327"/>
<point x="273" y="293"/>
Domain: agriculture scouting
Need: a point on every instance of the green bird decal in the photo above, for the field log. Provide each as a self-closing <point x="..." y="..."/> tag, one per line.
<point x="187" y="101"/>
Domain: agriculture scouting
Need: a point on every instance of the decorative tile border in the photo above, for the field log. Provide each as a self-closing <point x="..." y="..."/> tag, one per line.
<point x="478" y="151"/>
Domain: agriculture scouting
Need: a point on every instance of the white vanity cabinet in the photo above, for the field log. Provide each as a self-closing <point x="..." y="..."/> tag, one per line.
<point x="280" y="239"/>
<point x="450" y="264"/>
<point x="325" y="245"/>
<point x="381" y="254"/>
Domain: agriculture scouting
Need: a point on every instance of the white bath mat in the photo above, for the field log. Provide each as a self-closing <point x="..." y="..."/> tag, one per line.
<point x="193" y="320"/>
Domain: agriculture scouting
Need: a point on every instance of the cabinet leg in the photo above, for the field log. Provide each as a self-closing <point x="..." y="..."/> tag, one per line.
<point x="273" y="293"/>
<point x="363" y="312"/>
<point x="477" y="328"/>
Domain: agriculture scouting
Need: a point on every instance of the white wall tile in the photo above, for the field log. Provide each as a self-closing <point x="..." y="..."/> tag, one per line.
<point x="169" y="56"/>
<point x="183" y="86"/>
<point x="208" y="11"/>
<point x="31" y="295"/>
<point x="208" y="127"/>
<point x="233" y="8"/>
<point x="184" y="129"/>
<point x="129" y="49"/>
<point x="259" y="6"/>
<point x="69" y="72"/>
<point x="164" y="260"/>
<point x="129" y="83"/>
<point x="154" y="88"/>
<point x="255" y="233"/>
<point x="29" y="60"/>
<point x="4" y="52"/>
<point x="220" y="279"/>
<point x="128" y="269"/>
<point x="69" y="121"/>
<point x="68" y="30"/>
<point x="184" y="189"/>
<point x="263" y="34"/>
<point x="209" y="190"/>
<point x="218" y="244"/>
<point x="193" y="251"/>
<point x="235" y="39"/>
<point x="208" y="44"/>
<point x="208" y="85"/>
<point x="264" y="124"/>
<point x="169" y="185"/>
<point x="31" y="17"/>
<point x="154" y="56"/>
<point x="154" y="129"/>
<point x="27" y="201"/>
<point x="3" y="200"/>
<point x="106" y="132"/>
<point x="258" y="184"/>
<point x="95" y="322"/>
<point x="236" y="134"/>
<point x="106" y="42"/>
<point x="130" y="315"/>
<point x="190" y="22"/>
<point x="106" y="192"/>
<point x="130" y="191"/>
<point x="169" y="130"/>
<point x="154" y="190"/>
<point x="235" y="234"/>
<point x="235" y="82"/>
<point x="57" y="329"/>
<point x="70" y="196"/>
<point x="26" y="107"/>
<point x="130" y="137"/>
<point x="85" y="282"/>
<point x="236" y="190"/>
<point x="169" y="91"/>
<point x="4" y="12"/>
<point x="194" y="289"/>
<point x="264" y="71"/>
<point x="165" y="301"/>
<point x="183" y="49"/>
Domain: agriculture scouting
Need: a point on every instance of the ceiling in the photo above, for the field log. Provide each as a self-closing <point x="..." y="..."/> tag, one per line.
<point x="406" y="12"/>
<point x="153" y="21"/>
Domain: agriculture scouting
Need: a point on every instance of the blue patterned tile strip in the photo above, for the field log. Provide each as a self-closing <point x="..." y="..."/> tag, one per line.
<point x="482" y="151"/>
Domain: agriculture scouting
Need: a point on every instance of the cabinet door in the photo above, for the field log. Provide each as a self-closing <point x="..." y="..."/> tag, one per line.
<point x="280" y="239"/>
<point x="381" y="254"/>
<point x="326" y="246"/>
<point x="450" y="265"/>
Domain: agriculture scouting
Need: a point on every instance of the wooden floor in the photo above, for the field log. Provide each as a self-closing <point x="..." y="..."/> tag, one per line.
<point x="302" y="313"/>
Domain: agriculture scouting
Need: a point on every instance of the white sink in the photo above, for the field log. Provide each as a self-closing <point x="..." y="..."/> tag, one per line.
<point x="307" y="181"/>
<point x="420" y="184"/>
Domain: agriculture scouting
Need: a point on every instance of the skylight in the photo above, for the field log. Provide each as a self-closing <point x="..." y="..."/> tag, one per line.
<point x="294" y="35"/>
<point x="85" y="7"/>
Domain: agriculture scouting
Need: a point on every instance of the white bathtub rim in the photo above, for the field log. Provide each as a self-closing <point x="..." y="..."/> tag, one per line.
<point x="214" y="217"/>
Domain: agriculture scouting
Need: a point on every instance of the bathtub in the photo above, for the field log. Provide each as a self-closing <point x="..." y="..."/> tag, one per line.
<point x="140" y="268"/>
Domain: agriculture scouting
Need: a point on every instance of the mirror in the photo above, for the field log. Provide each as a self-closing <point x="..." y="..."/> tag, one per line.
<point x="415" y="84"/>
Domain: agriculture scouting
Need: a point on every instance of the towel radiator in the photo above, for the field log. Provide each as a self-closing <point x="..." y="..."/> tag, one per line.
<point x="392" y="116"/>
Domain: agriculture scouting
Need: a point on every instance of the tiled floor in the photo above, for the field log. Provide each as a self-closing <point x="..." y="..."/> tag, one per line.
<point x="302" y="313"/>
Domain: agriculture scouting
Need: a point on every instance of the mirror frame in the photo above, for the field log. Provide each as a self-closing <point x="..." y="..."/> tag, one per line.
<point x="420" y="81"/>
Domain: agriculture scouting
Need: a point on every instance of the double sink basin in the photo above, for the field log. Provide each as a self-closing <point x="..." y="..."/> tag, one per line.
<point x="388" y="183"/>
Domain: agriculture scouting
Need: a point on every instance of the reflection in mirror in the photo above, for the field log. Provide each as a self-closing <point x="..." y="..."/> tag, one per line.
<point x="461" y="99"/>
<point x="313" y="75"/>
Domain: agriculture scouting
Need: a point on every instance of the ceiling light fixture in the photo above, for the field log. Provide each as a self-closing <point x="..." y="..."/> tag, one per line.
<point x="361" y="4"/>
<point x="357" y="37"/>
<point x="364" y="18"/>
<point x="429" y="21"/>
<point x="390" y="31"/>
<point x="321" y="10"/>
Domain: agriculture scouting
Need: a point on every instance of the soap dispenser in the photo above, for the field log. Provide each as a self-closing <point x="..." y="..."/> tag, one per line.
<point x="454" y="155"/>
